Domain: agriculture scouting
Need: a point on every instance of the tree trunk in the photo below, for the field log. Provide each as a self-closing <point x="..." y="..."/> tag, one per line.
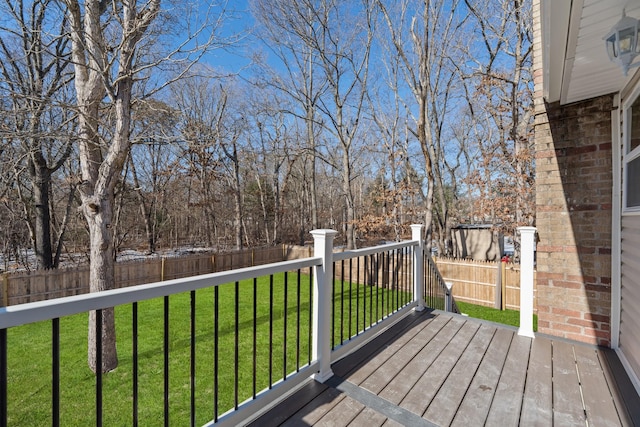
<point x="101" y="278"/>
<point x="42" y="220"/>
<point x="144" y="210"/>
<point x="238" y="217"/>
<point x="350" y="212"/>
<point x="101" y="161"/>
<point x="237" y="197"/>
<point x="313" y="157"/>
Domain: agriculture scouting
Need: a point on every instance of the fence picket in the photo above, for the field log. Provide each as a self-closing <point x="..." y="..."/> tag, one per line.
<point x="39" y="285"/>
<point x="475" y="281"/>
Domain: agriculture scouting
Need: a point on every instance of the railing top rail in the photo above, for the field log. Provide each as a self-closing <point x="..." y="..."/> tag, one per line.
<point x="46" y="310"/>
<point x="339" y="256"/>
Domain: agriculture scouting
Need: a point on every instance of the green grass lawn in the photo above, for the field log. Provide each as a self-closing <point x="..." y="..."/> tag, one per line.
<point x="29" y="352"/>
<point x="506" y="317"/>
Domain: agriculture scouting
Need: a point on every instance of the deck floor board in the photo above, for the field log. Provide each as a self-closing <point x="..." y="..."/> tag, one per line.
<point x="445" y="404"/>
<point x="507" y="401"/>
<point x="370" y="418"/>
<point x="386" y="372"/>
<point x="400" y="386"/>
<point x="567" y="397"/>
<point x="599" y="405"/>
<point x="438" y="369"/>
<point x="479" y="396"/>
<point x="537" y="402"/>
<point x="419" y="397"/>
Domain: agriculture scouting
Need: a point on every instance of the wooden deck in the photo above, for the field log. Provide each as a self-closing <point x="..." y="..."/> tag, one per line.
<point x="441" y="369"/>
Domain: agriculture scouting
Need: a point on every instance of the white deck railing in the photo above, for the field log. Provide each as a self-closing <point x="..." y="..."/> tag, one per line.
<point x="322" y="310"/>
<point x="394" y="271"/>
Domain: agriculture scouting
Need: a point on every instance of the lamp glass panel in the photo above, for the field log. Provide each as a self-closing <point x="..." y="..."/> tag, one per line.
<point x="611" y="47"/>
<point x="627" y="40"/>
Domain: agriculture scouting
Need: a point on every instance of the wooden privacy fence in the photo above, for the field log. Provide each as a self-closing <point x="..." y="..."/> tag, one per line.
<point x="384" y="270"/>
<point x="475" y="281"/>
<point x="24" y="287"/>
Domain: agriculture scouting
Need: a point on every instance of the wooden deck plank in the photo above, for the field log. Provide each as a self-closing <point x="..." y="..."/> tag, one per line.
<point x="381" y="405"/>
<point x="370" y="364"/>
<point x="537" y="400"/>
<point x="568" y="408"/>
<point x="398" y="388"/>
<point x="379" y="379"/>
<point x="313" y="411"/>
<point x="445" y="404"/>
<point x="370" y="418"/>
<point x="429" y="383"/>
<point x="598" y="403"/>
<point x="391" y="423"/>
<point x="291" y="405"/>
<point x="476" y="403"/>
<point x="507" y="401"/>
<point x="342" y="414"/>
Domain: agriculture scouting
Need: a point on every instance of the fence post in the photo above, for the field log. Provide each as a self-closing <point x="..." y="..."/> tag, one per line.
<point x="503" y="284"/>
<point x="5" y="290"/>
<point x="497" y="302"/>
<point x="418" y="266"/>
<point x="322" y="301"/>
<point x="527" y="237"/>
<point x="448" y="298"/>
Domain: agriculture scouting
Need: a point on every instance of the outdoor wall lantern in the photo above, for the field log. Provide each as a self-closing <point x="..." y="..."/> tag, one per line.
<point x="622" y="43"/>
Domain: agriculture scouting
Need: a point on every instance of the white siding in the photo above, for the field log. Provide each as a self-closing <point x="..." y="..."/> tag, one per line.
<point x="630" y="292"/>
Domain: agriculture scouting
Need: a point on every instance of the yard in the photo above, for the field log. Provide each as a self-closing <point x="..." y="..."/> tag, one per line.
<point x="29" y="352"/>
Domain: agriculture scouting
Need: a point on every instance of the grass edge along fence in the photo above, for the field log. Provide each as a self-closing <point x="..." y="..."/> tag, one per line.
<point x="475" y="282"/>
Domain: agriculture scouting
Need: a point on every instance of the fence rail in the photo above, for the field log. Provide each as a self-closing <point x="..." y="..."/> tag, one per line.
<point x="41" y="285"/>
<point x="476" y="282"/>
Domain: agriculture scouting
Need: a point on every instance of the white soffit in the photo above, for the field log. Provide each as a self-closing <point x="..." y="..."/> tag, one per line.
<point x="575" y="62"/>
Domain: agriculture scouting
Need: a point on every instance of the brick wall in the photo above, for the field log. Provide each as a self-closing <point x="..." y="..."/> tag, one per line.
<point x="573" y="215"/>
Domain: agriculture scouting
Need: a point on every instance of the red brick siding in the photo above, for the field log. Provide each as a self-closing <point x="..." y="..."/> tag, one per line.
<point x="573" y="198"/>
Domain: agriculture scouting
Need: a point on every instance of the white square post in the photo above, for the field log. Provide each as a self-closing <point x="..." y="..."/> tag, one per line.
<point x="322" y="301"/>
<point x="418" y="266"/>
<point x="448" y="297"/>
<point x="527" y="245"/>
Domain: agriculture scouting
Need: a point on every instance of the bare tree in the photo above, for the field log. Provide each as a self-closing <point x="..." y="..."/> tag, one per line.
<point x="425" y="38"/>
<point x="101" y="164"/>
<point x="107" y="56"/>
<point x="344" y="54"/>
<point x="152" y="164"/>
<point x="212" y="126"/>
<point x="273" y="150"/>
<point x="200" y="112"/>
<point x="390" y="121"/>
<point x="34" y="70"/>
<point x="500" y="99"/>
<point x="227" y="133"/>
<point x="287" y="28"/>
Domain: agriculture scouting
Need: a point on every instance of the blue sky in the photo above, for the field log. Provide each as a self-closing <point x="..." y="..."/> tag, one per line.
<point x="238" y="21"/>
